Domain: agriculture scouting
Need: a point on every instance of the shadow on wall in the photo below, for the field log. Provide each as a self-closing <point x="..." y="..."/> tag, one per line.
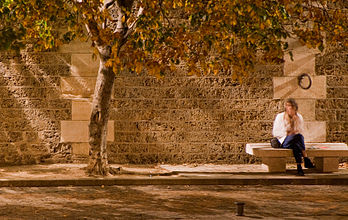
<point x="31" y="107"/>
<point x="183" y="119"/>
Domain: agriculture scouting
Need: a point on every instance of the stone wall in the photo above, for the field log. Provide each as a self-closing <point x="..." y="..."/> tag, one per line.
<point x="45" y="106"/>
<point x="334" y="109"/>
<point x="182" y="119"/>
<point x="31" y="107"/>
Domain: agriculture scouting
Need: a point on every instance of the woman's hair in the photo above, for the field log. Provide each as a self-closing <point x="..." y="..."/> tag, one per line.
<point x="292" y="102"/>
<point x="292" y="123"/>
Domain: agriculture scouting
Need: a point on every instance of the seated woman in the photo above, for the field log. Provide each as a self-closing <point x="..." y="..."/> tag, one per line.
<point x="287" y="128"/>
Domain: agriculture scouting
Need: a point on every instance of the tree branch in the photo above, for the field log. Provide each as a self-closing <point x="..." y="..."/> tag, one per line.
<point x="107" y="4"/>
<point x="164" y="14"/>
<point x="92" y="29"/>
<point x="130" y="29"/>
<point x="133" y="25"/>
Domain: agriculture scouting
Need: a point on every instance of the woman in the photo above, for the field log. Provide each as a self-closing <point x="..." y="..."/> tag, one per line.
<point x="288" y="129"/>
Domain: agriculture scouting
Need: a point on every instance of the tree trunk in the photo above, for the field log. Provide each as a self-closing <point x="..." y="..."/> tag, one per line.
<point x="98" y="161"/>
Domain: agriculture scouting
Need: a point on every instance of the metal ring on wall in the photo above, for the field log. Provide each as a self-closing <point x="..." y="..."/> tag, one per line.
<point x="300" y="79"/>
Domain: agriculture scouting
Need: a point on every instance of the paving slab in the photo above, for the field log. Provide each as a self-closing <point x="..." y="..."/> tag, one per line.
<point x="164" y="174"/>
<point x="182" y="202"/>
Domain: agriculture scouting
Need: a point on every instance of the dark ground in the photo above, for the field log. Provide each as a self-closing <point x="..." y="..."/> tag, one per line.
<point x="174" y="202"/>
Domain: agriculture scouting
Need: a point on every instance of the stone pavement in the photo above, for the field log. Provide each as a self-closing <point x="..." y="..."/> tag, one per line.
<point x="165" y="174"/>
<point x="174" y="202"/>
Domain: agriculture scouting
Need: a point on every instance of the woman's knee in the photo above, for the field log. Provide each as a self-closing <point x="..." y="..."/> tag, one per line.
<point x="299" y="136"/>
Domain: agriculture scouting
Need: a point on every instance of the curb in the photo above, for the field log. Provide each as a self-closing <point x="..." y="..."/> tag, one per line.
<point x="122" y="181"/>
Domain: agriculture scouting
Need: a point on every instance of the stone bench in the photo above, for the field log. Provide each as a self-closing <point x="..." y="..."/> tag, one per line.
<point x="326" y="155"/>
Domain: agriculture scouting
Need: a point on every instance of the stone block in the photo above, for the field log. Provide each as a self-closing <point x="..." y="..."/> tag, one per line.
<point x="274" y="164"/>
<point x="77" y="131"/>
<point x="285" y="87"/>
<point x="327" y="164"/>
<point x="304" y="62"/>
<point x="80" y="148"/>
<point x="76" y="47"/>
<point x="337" y="81"/>
<point x="326" y="115"/>
<point x="315" y="131"/>
<point x="306" y="107"/>
<point x="338" y="92"/>
<point x="84" y="65"/>
<point x="81" y="110"/>
<point x="15" y="136"/>
<point x="77" y="87"/>
<point x="47" y="58"/>
<point x="303" y="59"/>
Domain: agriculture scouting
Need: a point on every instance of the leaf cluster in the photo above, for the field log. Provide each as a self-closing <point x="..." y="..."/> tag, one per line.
<point x="207" y="36"/>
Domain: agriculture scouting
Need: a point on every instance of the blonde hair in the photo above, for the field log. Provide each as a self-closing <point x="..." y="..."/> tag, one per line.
<point x="292" y="102"/>
<point x="292" y="123"/>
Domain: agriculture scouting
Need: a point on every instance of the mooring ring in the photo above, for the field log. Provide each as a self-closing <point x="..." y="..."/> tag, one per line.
<point x="301" y="77"/>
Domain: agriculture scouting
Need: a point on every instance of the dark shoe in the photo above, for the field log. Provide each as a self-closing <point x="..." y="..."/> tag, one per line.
<point x="299" y="171"/>
<point x="308" y="163"/>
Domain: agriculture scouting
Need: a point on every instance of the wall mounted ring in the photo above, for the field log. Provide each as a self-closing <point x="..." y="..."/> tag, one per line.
<point x="301" y="78"/>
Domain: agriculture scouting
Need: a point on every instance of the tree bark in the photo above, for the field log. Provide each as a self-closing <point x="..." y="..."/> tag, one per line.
<point x="98" y="161"/>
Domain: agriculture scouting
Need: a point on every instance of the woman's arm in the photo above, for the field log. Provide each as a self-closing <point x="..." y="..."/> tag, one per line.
<point x="297" y="125"/>
<point x="279" y="129"/>
<point x="300" y="124"/>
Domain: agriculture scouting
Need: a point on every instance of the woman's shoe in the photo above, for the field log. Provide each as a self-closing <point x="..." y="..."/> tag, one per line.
<point x="308" y="163"/>
<point x="299" y="171"/>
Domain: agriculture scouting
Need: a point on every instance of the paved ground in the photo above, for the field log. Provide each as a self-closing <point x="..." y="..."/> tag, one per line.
<point x="174" y="202"/>
<point x="171" y="198"/>
<point x="206" y="174"/>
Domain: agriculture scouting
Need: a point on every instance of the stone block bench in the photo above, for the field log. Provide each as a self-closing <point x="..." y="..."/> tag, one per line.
<point x="326" y="155"/>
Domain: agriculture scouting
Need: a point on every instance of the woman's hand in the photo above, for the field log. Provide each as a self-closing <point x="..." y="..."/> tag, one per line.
<point x="291" y="133"/>
<point x="295" y="117"/>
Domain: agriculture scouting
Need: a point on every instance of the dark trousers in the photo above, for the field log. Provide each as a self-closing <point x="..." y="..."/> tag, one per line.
<point x="296" y="143"/>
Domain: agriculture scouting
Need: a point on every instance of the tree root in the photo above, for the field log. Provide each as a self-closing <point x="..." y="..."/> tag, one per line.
<point x="96" y="168"/>
<point x="115" y="171"/>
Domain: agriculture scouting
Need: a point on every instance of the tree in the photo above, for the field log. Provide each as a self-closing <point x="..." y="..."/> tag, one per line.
<point x="155" y="35"/>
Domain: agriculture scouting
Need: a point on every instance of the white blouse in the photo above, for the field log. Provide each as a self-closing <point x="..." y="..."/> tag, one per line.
<point x="280" y="126"/>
